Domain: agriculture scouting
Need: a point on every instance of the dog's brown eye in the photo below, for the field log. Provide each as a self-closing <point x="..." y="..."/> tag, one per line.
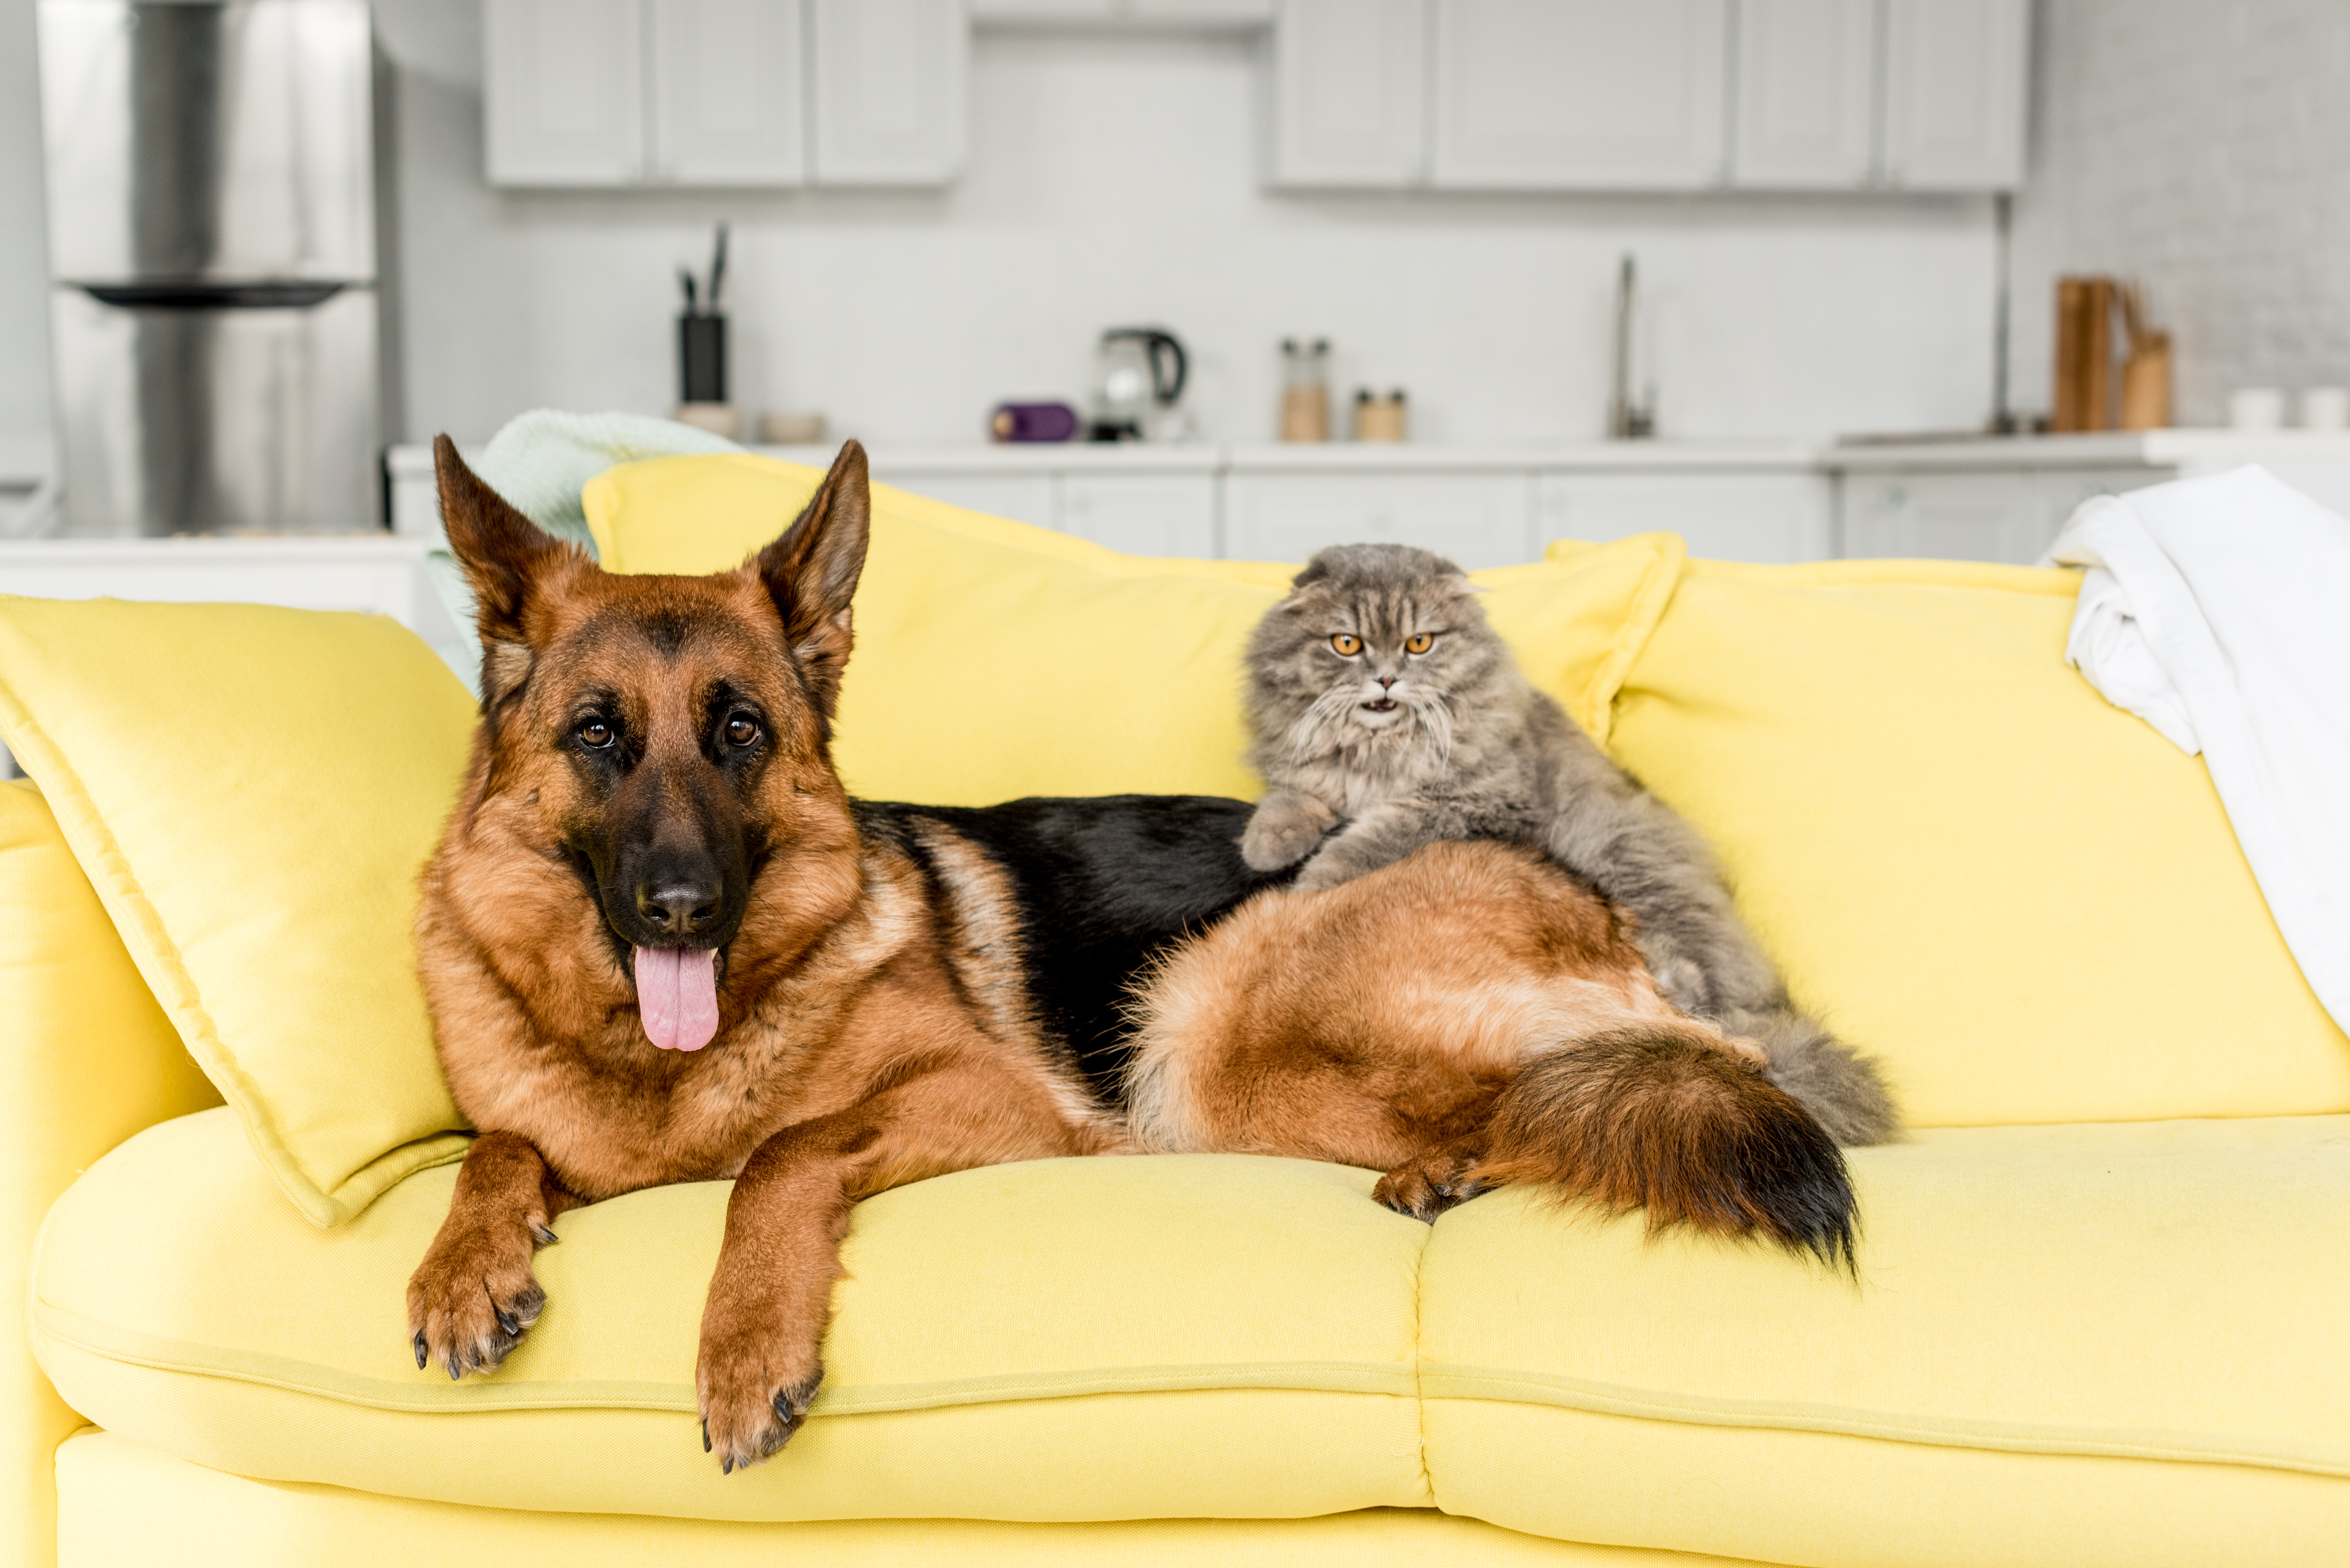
<point x="1347" y="643"/>
<point x="594" y="733"/>
<point x="1420" y="643"/>
<point x="742" y="730"/>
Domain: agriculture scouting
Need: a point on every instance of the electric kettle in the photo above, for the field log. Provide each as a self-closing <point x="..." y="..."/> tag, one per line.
<point x="1137" y="376"/>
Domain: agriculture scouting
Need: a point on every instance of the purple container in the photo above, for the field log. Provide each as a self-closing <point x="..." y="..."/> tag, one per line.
<point x="1033" y="422"/>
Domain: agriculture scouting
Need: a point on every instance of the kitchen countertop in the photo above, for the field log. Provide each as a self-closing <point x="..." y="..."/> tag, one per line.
<point x="2115" y="449"/>
<point x="2190" y="449"/>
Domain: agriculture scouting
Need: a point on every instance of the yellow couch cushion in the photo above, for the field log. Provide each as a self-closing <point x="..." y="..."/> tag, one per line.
<point x="252" y="792"/>
<point x="2117" y="1344"/>
<point x="126" y="1504"/>
<point x="1240" y="1331"/>
<point x="996" y="660"/>
<point x="2025" y="900"/>
<point x="86" y="1059"/>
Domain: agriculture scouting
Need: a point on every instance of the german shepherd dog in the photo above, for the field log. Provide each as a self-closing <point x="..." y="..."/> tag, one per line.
<point x="661" y="943"/>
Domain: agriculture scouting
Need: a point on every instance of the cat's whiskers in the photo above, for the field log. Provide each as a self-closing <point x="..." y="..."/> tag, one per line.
<point x="1435" y="717"/>
<point x="1310" y="735"/>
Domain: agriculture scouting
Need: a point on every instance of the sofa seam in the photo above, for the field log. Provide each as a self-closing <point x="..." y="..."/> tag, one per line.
<point x="1419" y="1363"/>
<point x="50" y="1322"/>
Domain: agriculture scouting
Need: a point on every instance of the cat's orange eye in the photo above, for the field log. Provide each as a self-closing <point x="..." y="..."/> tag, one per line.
<point x="1347" y="643"/>
<point x="1420" y="643"/>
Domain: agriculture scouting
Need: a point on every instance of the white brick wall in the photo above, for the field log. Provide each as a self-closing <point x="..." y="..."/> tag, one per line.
<point x="2204" y="147"/>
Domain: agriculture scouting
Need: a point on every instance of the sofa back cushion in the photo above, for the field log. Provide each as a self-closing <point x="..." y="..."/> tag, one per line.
<point x="2026" y="902"/>
<point x="252" y="792"/>
<point x="996" y="660"/>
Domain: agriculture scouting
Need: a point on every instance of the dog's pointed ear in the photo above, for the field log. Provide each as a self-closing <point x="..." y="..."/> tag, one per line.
<point x="811" y="571"/>
<point x="502" y="552"/>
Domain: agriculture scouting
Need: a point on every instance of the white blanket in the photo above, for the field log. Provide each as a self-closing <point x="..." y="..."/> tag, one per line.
<point x="2218" y="609"/>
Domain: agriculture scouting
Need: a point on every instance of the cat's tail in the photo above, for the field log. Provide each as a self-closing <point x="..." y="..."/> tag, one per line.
<point x="1662" y="1118"/>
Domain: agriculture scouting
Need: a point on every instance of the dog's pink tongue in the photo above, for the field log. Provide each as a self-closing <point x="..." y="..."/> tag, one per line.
<point x="677" y="996"/>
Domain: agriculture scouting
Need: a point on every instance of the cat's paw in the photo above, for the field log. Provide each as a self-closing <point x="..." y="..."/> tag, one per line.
<point x="1283" y="831"/>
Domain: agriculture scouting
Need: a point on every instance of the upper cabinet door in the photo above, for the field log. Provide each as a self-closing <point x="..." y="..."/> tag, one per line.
<point x="1806" y="94"/>
<point x="1955" y="78"/>
<point x="728" y="105"/>
<point x="891" y="86"/>
<point x="1580" y="94"/>
<point x="564" y="91"/>
<point x="1350" y="93"/>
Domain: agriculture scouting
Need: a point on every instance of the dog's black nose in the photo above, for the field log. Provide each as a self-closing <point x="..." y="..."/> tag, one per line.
<point x="676" y="909"/>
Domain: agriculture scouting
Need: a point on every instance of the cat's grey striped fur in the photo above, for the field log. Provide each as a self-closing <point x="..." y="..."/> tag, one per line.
<point x="1465" y="747"/>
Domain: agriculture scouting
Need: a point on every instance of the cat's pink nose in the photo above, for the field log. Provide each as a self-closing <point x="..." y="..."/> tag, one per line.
<point x="1386" y="682"/>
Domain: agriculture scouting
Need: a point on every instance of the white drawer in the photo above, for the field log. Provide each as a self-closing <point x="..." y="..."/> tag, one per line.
<point x="1769" y="517"/>
<point x="1141" y="514"/>
<point x="1473" y="519"/>
<point x="2007" y="517"/>
<point x="1023" y="497"/>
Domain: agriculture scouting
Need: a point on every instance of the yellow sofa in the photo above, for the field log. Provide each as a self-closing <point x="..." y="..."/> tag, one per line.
<point x="2103" y="1313"/>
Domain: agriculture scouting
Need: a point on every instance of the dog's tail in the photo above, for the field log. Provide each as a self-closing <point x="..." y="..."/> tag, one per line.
<point x="1665" y="1120"/>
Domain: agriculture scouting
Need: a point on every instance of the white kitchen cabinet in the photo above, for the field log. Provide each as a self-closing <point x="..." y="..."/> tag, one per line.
<point x="1350" y="93"/>
<point x="1805" y="94"/>
<point x="1956" y="75"/>
<point x="728" y="100"/>
<point x="889" y="88"/>
<point x="563" y="95"/>
<point x="1140" y="514"/>
<point x="1475" y="519"/>
<point x="2008" y="516"/>
<point x="1022" y="497"/>
<point x="1202" y="13"/>
<point x="1215" y="14"/>
<point x="1579" y="94"/>
<point x="1766" y="517"/>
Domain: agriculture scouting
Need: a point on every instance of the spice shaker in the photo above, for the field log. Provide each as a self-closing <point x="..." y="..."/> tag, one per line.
<point x="1379" y="417"/>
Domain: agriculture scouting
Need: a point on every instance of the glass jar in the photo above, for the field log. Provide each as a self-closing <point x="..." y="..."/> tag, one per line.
<point x="1306" y="388"/>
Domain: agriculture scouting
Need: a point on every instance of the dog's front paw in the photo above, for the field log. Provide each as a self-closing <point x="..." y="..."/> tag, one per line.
<point x="1283" y="831"/>
<point x="473" y="1298"/>
<point x="754" y="1380"/>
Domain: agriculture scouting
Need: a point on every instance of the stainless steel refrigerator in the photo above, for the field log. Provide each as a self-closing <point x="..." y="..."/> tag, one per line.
<point x="214" y="310"/>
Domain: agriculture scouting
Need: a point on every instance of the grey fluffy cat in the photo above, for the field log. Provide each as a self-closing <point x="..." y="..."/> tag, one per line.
<point x="1387" y="714"/>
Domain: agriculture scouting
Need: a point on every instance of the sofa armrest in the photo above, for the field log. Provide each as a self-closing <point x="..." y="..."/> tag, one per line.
<point x="87" y="1059"/>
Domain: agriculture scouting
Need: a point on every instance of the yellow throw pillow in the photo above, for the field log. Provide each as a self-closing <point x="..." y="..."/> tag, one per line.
<point x="252" y="792"/>
<point x="996" y="660"/>
<point x="2025" y="900"/>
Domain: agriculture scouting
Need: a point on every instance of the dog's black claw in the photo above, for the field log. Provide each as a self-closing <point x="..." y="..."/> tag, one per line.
<point x="783" y="1404"/>
<point x="705" y="1435"/>
<point x="726" y="1464"/>
<point x="508" y="1323"/>
<point x="422" y="1355"/>
<point x="454" y="1371"/>
<point x="542" y="1235"/>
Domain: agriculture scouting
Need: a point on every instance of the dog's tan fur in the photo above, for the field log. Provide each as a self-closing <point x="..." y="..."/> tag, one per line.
<point x="1378" y="1022"/>
<point x="850" y="1056"/>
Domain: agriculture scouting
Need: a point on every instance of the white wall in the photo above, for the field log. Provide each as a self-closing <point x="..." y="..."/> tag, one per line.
<point x="1115" y="180"/>
<point x="2204" y="147"/>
